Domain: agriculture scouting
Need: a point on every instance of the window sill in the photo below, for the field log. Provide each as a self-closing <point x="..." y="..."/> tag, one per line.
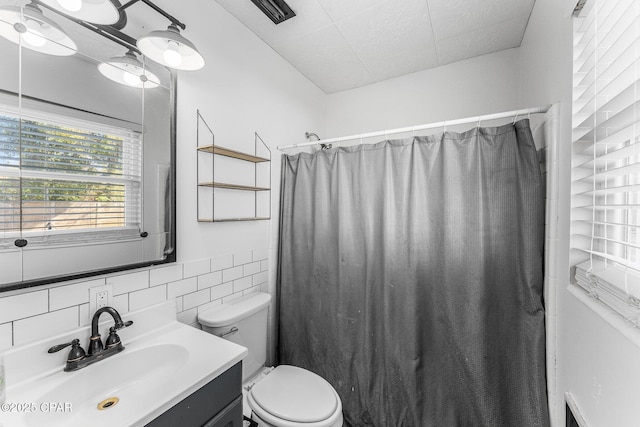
<point x="612" y="317"/>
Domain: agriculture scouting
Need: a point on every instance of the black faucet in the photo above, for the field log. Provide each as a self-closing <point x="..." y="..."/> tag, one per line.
<point x="77" y="358"/>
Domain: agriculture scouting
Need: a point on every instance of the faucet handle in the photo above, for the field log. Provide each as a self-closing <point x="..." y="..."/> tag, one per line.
<point x="76" y="352"/>
<point x="113" y="339"/>
<point x="59" y="347"/>
<point x="125" y="324"/>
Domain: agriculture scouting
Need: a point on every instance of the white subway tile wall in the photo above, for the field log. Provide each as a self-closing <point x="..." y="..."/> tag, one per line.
<point x="194" y="285"/>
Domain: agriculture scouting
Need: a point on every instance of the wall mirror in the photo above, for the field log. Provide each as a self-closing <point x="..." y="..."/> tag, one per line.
<point x="87" y="148"/>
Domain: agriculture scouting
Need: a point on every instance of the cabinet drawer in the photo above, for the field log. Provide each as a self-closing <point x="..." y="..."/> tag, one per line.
<point x="204" y="404"/>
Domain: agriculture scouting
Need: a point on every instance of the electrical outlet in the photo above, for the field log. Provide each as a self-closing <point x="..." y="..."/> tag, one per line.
<point x="102" y="299"/>
<point x="100" y="296"/>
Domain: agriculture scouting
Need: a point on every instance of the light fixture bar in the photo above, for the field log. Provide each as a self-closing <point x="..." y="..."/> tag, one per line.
<point x="101" y="12"/>
<point x="167" y="47"/>
<point x="156" y="8"/>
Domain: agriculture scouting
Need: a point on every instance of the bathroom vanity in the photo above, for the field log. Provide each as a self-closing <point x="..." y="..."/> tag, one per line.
<point x="217" y="404"/>
<point x="168" y="374"/>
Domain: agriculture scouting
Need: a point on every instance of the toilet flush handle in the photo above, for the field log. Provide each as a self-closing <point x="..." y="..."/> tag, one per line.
<point x="229" y="332"/>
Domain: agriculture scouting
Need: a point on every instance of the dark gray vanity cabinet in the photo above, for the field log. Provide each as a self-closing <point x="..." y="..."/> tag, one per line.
<point x="217" y="404"/>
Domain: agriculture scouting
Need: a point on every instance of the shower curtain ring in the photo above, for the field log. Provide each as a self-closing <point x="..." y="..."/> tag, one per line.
<point x="515" y="118"/>
<point x="478" y="124"/>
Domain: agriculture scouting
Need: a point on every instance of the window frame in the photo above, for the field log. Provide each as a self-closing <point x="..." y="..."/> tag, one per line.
<point x="605" y="214"/>
<point x="76" y="120"/>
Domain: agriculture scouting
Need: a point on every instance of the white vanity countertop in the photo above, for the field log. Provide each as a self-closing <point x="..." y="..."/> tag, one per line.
<point x="164" y="361"/>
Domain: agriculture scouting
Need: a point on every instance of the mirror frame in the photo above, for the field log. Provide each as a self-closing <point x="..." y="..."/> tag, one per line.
<point x="169" y="258"/>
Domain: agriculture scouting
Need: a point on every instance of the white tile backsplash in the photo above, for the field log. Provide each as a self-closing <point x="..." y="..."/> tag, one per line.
<point x="242" y="258"/>
<point x="6" y="336"/>
<point x="197" y="267"/>
<point x="260" y="278"/>
<point x="182" y="287"/>
<point x="242" y="284"/>
<point x="221" y="290"/>
<point x="231" y="274"/>
<point x="85" y="317"/>
<point x="72" y="295"/>
<point x="196" y="298"/>
<point x="188" y="316"/>
<point x="221" y="262"/>
<point x="131" y="282"/>
<point x="147" y="297"/>
<point x="44" y="325"/>
<point x="209" y="305"/>
<point x="195" y="286"/>
<point x="251" y="268"/>
<point x="162" y="275"/>
<point x="209" y="280"/>
<point x="121" y="303"/>
<point x="23" y="305"/>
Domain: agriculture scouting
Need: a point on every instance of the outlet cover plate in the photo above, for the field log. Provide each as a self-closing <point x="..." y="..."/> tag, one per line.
<point x="93" y="298"/>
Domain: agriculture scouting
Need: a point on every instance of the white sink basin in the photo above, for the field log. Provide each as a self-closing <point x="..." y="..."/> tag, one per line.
<point x="147" y="371"/>
<point x="163" y="362"/>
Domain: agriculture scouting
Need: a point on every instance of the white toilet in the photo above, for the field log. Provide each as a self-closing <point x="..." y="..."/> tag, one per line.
<point x="284" y="396"/>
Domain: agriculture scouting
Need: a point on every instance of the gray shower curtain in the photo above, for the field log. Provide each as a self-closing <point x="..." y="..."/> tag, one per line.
<point x="410" y="277"/>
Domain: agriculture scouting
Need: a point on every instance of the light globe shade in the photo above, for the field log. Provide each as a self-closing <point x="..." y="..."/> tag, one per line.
<point x="35" y="31"/>
<point x="170" y="48"/>
<point x="101" y="12"/>
<point x="129" y="71"/>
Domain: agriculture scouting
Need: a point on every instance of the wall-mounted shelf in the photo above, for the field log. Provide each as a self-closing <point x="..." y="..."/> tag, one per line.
<point x="225" y="200"/>
<point x="227" y="152"/>
<point x="234" y="219"/>
<point x="232" y="186"/>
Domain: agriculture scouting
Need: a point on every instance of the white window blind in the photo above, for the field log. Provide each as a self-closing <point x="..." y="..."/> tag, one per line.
<point x="64" y="179"/>
<point x="606" y="154"/>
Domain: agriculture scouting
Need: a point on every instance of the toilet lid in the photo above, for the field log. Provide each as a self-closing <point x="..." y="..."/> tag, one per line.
<point x="295" y="394"/>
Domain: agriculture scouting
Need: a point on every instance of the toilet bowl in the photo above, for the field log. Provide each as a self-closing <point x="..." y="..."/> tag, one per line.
<point x="284" y="396"/>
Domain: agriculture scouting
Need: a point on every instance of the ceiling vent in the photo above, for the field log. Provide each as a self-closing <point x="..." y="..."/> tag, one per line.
<point x="277" y="10"/>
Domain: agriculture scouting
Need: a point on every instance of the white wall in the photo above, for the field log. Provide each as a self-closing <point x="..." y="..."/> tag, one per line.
<point x="595" y="353"/>
<point x="244" y="88"/>
<point x="481" y="85"/>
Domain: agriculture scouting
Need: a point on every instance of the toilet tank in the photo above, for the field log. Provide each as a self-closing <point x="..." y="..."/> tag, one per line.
<point x="243" y="321"/>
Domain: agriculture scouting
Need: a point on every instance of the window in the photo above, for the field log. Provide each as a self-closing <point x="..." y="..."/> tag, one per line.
<point x="606" y="154"/>
<point x="64" y="179"/>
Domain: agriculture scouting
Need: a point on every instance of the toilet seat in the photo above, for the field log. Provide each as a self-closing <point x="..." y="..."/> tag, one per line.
<point x="290" y="396"/>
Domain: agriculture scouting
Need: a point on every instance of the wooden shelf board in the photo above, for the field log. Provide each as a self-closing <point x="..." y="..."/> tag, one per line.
<point x="234" y="219"/>
<point x="216" y="149"/>
<point x="232" y="186"/>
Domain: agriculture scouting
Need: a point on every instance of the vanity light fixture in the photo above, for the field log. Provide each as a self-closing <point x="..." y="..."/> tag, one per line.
<point x="170" y="48"/>
<point x="34" y="30"/>
<point x="128" y="70"/>
<point x="101" y="12"/>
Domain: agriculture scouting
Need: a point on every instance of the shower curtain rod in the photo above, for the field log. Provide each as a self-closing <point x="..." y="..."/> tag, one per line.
<point x="444" y="124"/>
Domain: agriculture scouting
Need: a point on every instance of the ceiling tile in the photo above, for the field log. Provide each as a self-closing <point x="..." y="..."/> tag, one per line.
<point x="325" y="58"/>
<point x="405" y="62"/>
<point x="342" y="44"/>
<point x="504" y="35"/>
<point x="340" y="9"/>
<point x="384" y="31"/>
<point x="454" y="17"/>
<point x="309" y="18"/>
